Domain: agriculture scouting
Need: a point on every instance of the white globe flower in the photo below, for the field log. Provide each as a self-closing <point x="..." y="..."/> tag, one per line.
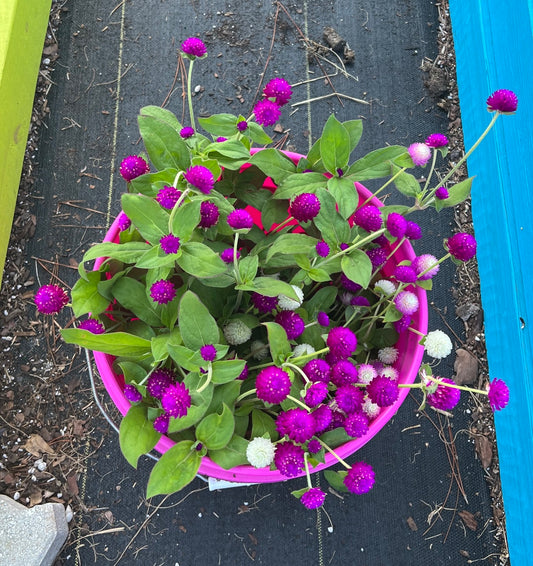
<point x="236" y="332"/>
<point x="388" y="287"/>
<point x="438" y="344"/>
<point x="259" y="350"/>
<point x="287" y="304"/>
<point x="302" y="350"/>
<point x="388" y="355"/>
<point x="371" y="409"/>
<point x="260" y="452"/>
<point x="390" y="372"/>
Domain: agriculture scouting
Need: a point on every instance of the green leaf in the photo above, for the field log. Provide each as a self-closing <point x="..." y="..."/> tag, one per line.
<point x="175" y="469"/>
<point x="334" y="145"/>
<point x="319" y="275"/>
<point x="292" y="244"/>
<point x="225" y="371"/>
<point x="164" y="145"/>
<point x="137" y="435"/>
<point x="218" y="125"/>
<point x="357" y="267"/>
<point x="234" y="149"/>
<point x="457" y="194"/>
<point x="131" y="294"/>
<point x="336" y="437"/>
<point x="161" y="114"/>
<point x="190" y="360"/>
<point x="201" y="261"/>
<point x="336" y="480"/>
<point x="273" y="212"/>
<point x="129" y="252"/>
<point x="333" y="227"/>
<point x="197" y="326"/>
<point x="159" y="345"/>
<point x="234" y="454"/>
<point x="148" y="184"/>
<point x="224" y="394"/>
<point x="85" y="295"/>
<point x="185" y="219"/>
<point x="215" y="431"/>
<point x="277" y="341"/>
<point x="132" y="371"/>
<point x="263" y="423"/>
<point x="248" y="267"/>
<point x="256" y="133"/>
<point x="270" y="287"/>
<point x="156" y="258"/>
<point x="406" y="183"/>
<point x="375" y="164"/>
<point x="300" y="183"/>
<point x="115" y="343"/>
<point x="146" y="215"/>
<point x="274" y="164"/>
<point x="199" y="403"/>
<point x="345" y="194"/>
<point x="355" y="131"/>
<point x="321" y="300"/>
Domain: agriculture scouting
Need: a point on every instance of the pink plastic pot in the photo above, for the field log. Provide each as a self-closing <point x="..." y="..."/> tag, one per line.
<point x="407" y="365"/>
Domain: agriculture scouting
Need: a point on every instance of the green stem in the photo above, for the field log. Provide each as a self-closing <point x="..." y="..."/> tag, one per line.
<point x="455" y="386"/>
<point x="399" y="172"/>
<point x="189" y="95"/>
<point x="244" y="395"/>
<point x="347" y="466"/>
<point x="307" y="474"/>
<point x="298" y="402"/>
<point x="209" y="377"/>
<point x="355" y="245"/>
<point x="296" y="368"/>
<point x="175" y="209"/>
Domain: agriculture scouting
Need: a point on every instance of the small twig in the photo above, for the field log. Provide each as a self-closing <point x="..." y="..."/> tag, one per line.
<point x="337" y="94"/>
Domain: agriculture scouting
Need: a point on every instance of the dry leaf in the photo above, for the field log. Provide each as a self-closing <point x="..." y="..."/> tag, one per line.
<point x="37" y="446"/>
<point x="465" y="368"/>
<point x="72" y="483"/>
<point x="411" y="523"/>
<point x="35" y="496"/>
<point x="484" y="450"/>
<point x="468" y="519"/>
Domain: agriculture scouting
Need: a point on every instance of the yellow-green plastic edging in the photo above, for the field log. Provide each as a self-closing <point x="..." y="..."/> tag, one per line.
<point x="23" y="26"/>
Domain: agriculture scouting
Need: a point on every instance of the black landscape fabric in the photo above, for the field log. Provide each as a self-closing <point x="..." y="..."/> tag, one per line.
<point x="116" y="57"/>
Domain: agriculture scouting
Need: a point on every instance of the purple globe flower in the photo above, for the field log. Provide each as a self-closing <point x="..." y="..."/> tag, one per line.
<point x="344" y="246"/>
<point x="297" y="424"/>
<point x="356" y="425"/>
<point x="317" y="370"/>
<point x="279" y="89"/>
<point x="132" y="394"/>
<point x="266" y="112"/>
<point x="187" y="132"/>
<point x="405" y="274"/>
<point x="92" y="325"/>
<point x="360" y="478"/>
<point x="314" y="446"/>
<point x="343" y="372"/>
<point x="403" y="324"/>
<point x="227" y="256"/>
<point x="396" y="225"/>
<point x="420" y="153"/>
<point x="170" y="244"/>
<point x="242" y="125"/>
<point x="359" y="302"/>
<point x="158" y="381"/>
<point x="305" y="207"/>
<point x="323" y="416"/>
<point x="322" y="318"/>
<point x="444" y="398"/>
<point x="208" y="352"/>
<point x="313" y="498"/>
<point x="272" y="385"/>
<point x="462" y="246"/>
<point x="201" y="178"/>
<point x="442" y="193"/>
<point x="377" y="256"/>
<point x="498" y="394"/>
<point x="132" y="167"/>
<point x="162" y="291"/>
<point x="341" y="341"/>
<point x="413" y="231"/>
<point x="322" y="249"/>
<point x="244" y="373"/>
<point x="316" y="393"/>
<point x="427" y="264"/>
<point x="406" y="302"/>
<point x="194" y="47"/>
<point x="176" y="400"/>
<point x="436" y="140"/>
<point x="263" y="303"/>
<point x="123" y="222"/>
<point x="383" y="391"/>
<point x="167" y="197"/>
<point x="368" y="217"/>
<point x="50" y="299"/>
<point x="292" y="323"/>
<point x="161" y="423"/>
<point x="503" y="101"/>
<point x="349" y="398"/>
<point x="289" y="458"/>
<point x="208" y="214"/>
<point x="349" y="285"/>
<point x="240" y="219"/>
